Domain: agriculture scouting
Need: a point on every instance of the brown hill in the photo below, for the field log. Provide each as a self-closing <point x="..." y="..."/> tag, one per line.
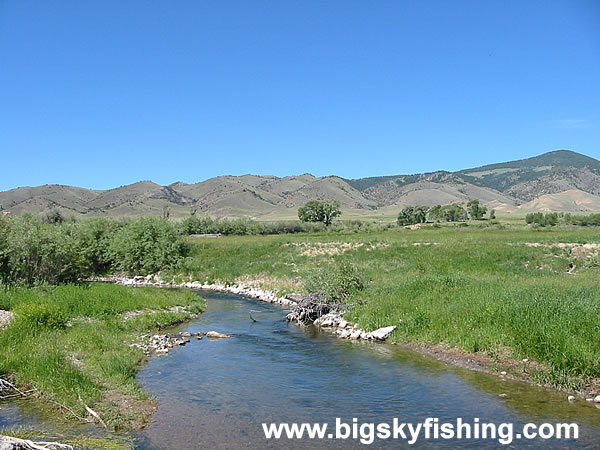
<point x="560" y="180"/>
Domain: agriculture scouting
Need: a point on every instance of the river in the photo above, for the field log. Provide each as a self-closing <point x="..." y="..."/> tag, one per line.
<point x="216" y="394"/>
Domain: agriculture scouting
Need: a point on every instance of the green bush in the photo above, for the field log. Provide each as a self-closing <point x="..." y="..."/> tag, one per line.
<point x="40" y="315"/>
<point x="207" y="225"/>
<point x="146" y="245"/>
<point x="32" y="252"/>
<point x="337" y="283"/>
<point x="93" y="237"/>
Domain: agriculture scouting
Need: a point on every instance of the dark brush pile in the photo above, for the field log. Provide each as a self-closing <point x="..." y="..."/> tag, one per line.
<point x="310" y="307"/>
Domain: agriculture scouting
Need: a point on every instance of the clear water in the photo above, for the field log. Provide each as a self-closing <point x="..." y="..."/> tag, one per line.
<point x="216" y="394"/>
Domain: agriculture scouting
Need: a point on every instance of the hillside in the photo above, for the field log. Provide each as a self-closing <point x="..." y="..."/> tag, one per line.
<point x="560" y="180"/>
<point x="521" y="180"/>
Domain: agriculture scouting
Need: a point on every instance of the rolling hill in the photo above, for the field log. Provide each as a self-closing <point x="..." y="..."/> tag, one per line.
<point x="559" y="180"/>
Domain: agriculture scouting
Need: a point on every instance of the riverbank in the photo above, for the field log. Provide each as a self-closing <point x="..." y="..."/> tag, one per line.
<point x="70" y="348"/>
<point x="496" y="294"/>
<point x="501" y="365"/>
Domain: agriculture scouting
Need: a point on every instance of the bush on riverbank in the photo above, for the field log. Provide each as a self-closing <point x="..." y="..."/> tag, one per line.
<point x="336" y="283"/>
<point x="207" y="225"/>
<point x="33" y="252"/>
<point x="247" y="227"/>
<point x="145" y="246"/>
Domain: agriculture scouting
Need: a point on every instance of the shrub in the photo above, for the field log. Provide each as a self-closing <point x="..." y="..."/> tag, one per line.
<point x="337" y="283"/>
<point x="41" y="315"/>
<point x="208" y="225"/>
<point x="542" y="220"/>
<point x="34" y="252"/>
<point x="53" y="217"/>
<point x="146" y="245"/>
<point x="93" y="238"/>
<point x="584" y="220"/>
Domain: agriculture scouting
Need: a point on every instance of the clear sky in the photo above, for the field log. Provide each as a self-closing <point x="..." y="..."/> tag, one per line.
<point x="105" y="93"/>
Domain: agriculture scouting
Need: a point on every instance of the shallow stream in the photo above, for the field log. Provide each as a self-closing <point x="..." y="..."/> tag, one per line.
<point x="216" y="394"/>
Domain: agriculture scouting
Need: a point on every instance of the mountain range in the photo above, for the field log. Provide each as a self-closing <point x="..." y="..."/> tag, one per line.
<point x="561" y="180"/>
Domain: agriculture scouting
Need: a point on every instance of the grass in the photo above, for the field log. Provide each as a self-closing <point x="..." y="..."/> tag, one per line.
<point x="479" y="288"/>
<point x="79" y="441"/>
<point x="69" y="343"/>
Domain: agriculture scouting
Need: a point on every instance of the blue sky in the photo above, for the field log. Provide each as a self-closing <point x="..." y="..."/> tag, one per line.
<point x="105" y="93"/>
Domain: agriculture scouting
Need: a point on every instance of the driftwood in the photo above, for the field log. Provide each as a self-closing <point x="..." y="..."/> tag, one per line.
<point x="4" y="384"/>
<point x="9" y="443"/>
<point x="92" y="413"/>
<point x="310" y="307"/>
<point x="7" y="385"/>
<point x="95" y="415"/>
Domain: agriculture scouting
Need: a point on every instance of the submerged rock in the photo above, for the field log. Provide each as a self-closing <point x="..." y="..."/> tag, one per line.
<point x="217" y="335"/>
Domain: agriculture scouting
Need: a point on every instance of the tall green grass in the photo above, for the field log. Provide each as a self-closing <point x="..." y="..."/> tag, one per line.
<point x="480" y="289"/>
<point x="69" y="342"/>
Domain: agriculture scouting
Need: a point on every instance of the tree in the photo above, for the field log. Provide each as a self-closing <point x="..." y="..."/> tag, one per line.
<point x="492" y="214"/>
<point x="319" y="211"/>
<point x="454" y="213"/>
<point x="412" y="215"/>
<point x="435" y="213"/>
<point x="476" y="212"/>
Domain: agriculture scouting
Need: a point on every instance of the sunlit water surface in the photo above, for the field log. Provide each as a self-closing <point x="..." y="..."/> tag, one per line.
<point x="216" y="394"/>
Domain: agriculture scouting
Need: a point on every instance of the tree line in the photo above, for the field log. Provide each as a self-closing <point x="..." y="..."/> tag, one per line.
<point x="454" y="212"/>
<point x="551" y="219"/>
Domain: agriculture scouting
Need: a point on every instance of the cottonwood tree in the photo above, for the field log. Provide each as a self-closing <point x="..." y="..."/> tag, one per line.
<point x="320" y="211"/>
<point x="476" y="212"/>
<point x="412" y="215"/>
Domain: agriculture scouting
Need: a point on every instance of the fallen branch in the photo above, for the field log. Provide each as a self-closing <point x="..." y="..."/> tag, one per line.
<point x="92" y="413"/>
<point x="310" y="307"/>
<point x="20" y="394"/>
<point x="95" y="415"/>
<point x="4" y="384"/>
<point x="26" y="444"/>
<point x="84" y="420"/>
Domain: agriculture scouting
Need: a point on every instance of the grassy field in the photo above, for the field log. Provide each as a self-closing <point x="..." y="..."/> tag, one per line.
<point x="69" y="343"/>
<point x="480" y="288"/>
<point x="496" y="290"/>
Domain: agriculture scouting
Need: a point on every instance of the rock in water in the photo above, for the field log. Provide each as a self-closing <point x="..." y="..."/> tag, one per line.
<point x="217" y="335"/>
<point x="381" y="334"/>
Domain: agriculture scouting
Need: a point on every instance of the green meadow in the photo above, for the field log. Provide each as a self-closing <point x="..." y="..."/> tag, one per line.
<point x="502" y="291"/>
